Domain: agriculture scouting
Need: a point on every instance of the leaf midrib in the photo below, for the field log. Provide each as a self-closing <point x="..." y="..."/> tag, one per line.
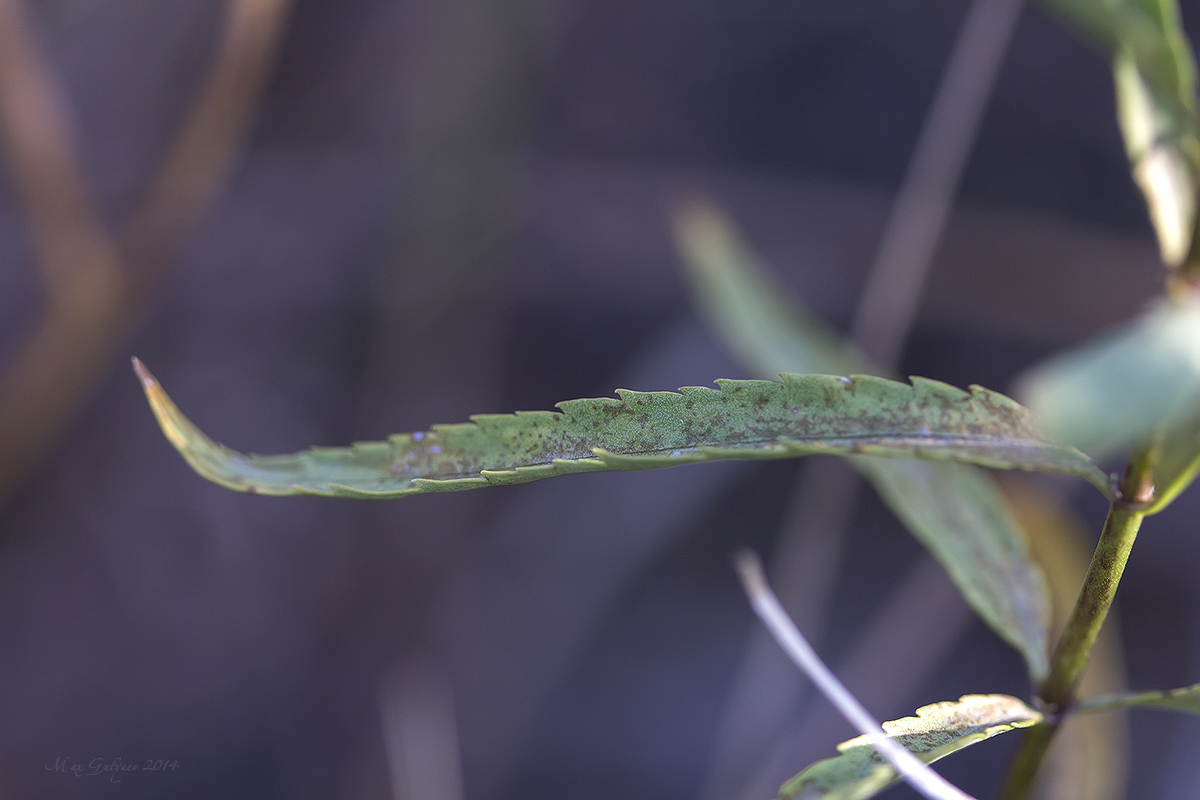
<point x="998" y="443"/>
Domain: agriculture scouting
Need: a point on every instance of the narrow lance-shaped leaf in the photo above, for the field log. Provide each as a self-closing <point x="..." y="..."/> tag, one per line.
<point x="957" y="513"/>
<point x="1186" y="700"/>
<point x="762" y="326"/>
<point x="954" y="510"/>
<point x="1155" y="78"/>
<point x="800" y="415"/>
<point x="934" y="733"/>
<point x="1113" y="391"/>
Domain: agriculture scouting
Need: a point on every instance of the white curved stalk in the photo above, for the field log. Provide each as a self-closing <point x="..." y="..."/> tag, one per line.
<point x="916" y="772"/>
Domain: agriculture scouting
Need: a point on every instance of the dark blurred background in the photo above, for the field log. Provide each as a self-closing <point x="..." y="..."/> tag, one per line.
<point x="435" y="208"/>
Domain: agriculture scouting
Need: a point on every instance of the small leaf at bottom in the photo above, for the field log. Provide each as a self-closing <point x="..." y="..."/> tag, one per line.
<point x="935" y="732"/>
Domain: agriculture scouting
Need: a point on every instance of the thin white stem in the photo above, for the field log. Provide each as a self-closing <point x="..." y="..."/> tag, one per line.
<point x="916" y="772"/>
<point x="420" y="733"/>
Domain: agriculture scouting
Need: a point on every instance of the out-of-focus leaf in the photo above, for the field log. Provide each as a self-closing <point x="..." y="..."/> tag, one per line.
<point x="954" y="510"/>
<point x="1114" y="391"/>
<point x="797" y="416"/>
<point x="1178" y="461"/>
<point x="935" y="732"/>
<point x="1186" y="700"/>
<point x="1162" y="159"/>
<point x="1155" y="77"/>
<point x="757" y="320"/>
<point x="957" y="513"/>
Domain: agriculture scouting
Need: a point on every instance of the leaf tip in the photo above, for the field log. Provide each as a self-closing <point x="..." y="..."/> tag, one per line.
<point x="143" y="374"/>
<point x="180" y="432"/>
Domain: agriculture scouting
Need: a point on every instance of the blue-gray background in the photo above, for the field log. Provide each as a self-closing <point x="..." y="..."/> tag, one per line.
<point x="448" y="207"/>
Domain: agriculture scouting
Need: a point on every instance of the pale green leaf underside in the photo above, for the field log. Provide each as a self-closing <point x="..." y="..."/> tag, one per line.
<point x="954" y="510"/>
<point x="800" y="415"/>
<point x="1155" y="77"/>
<point x="957" y="512"/>
<point x="934" y="733"/>
<point x="1186" y="700"/>
<point x="1178" y="461"/>
<point x="1114" y="391"/>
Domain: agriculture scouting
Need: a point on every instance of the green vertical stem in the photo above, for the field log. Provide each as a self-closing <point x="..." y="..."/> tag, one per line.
<point x="1095" y="599"/>
<point x="1074" y="649"/>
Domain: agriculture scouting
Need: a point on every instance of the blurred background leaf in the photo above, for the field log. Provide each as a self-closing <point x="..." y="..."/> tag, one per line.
<point x="953" y="510"/>
<point x="1178" y="460"/>
<point x="1186" y="699"/>
<point x="1111" y="392"/>
<point x="1154" y="70"/>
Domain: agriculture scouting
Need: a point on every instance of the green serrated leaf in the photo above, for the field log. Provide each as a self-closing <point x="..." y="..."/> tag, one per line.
<point x="954" y="510"/>
<point x="1186" y="700"/>
<point x="797" y="416"/>
<point x="1114" y="391"/>
<point x="1155" y="78"/>
<point x="934" y="733"/>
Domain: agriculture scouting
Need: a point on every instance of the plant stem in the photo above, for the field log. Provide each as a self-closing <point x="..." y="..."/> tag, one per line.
<point x="1074" y="649"/>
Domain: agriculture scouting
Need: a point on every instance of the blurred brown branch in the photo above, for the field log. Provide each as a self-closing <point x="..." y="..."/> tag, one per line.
<point x="96" y="284"/>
